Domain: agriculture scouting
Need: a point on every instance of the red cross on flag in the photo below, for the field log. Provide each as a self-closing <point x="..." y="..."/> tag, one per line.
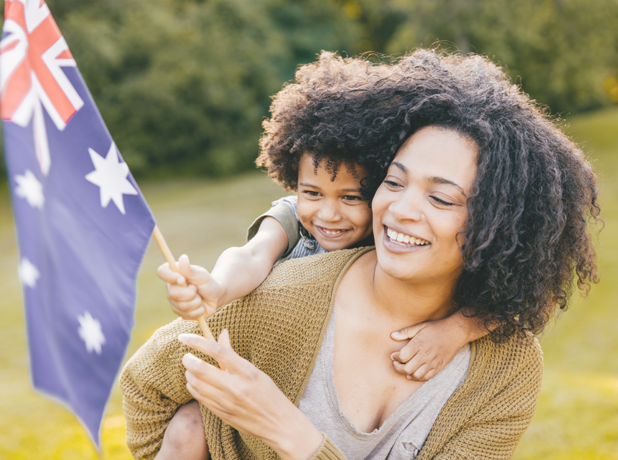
<point x="32" y="52"/>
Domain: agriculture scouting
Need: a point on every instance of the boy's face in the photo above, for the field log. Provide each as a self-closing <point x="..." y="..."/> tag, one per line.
<point x="332" y="211"/>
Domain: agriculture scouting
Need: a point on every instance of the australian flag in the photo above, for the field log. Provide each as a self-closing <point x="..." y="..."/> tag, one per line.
<point x="82" y="224"/>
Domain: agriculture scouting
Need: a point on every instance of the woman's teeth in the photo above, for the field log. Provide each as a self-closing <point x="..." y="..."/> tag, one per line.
<point x="405" y="239"/>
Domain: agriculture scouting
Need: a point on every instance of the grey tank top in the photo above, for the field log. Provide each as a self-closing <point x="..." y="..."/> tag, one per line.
<point x="403" y="434"/>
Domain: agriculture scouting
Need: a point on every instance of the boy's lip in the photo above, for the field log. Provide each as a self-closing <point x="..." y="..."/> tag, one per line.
<point x="331" y="233"/>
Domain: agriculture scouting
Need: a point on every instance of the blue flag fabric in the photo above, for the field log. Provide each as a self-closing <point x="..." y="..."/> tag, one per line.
<point x="82" y="224"/>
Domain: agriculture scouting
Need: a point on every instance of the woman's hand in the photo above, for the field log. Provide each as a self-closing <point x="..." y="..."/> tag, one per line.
<point x="192" y="292"/>
<point x="246" y="398"/>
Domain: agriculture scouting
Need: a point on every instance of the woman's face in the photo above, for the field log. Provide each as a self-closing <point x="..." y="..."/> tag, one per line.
<point x="420" y="207"/>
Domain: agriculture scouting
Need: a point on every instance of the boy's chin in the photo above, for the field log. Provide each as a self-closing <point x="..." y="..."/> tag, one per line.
<point x="332" y="245"/>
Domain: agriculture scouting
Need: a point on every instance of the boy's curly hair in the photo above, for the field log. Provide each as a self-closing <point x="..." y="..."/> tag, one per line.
<point x="312" y="116"/>
<point x="527" y="240"/>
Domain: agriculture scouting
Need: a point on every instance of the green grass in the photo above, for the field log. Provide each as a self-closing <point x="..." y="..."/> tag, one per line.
<point x="577" y="415"/>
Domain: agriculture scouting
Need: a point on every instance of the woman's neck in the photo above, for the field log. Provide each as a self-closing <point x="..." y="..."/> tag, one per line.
<point x="406" y="301"/>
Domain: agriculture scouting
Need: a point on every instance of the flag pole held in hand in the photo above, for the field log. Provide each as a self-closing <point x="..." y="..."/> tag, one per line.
<point x="158" y="236"/>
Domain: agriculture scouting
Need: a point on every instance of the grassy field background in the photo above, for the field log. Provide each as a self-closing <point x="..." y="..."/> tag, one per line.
<point x="577" y="415"/>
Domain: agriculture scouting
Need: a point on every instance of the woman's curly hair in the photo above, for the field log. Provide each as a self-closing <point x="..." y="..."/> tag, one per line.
<point x="527" y="240"/>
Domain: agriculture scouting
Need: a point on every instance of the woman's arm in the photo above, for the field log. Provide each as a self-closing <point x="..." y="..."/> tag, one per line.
<point x="498" y="399"/>
<point x="153" y="389"/>
<point x="238" y="271"/>
<point x="247" y="399"/>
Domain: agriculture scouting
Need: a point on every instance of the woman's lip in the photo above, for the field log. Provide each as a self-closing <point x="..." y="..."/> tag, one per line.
<point x="398" y="248"/>
<point x="400" y="230"/>
<point x="323" y="232"/>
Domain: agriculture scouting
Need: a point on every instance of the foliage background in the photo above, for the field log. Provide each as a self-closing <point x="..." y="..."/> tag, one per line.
<point x="184" y="84"/>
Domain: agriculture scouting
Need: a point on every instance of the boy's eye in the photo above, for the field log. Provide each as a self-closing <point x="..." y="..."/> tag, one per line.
<point x="442" y="202"/>
<point x="311" y="193"/>
<point x="352" y="197"/>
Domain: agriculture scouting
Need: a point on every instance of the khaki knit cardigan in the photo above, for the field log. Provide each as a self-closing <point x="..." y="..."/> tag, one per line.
<point x="279" y="328"/>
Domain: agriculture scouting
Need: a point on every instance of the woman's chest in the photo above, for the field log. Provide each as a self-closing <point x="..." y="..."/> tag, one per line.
<point x="369" y="389"/>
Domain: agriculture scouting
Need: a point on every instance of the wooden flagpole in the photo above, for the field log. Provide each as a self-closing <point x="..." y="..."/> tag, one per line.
<point x="158" y="236"/>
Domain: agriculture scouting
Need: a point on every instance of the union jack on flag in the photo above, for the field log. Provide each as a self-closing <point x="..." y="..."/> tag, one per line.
<point x="79" y="254"/>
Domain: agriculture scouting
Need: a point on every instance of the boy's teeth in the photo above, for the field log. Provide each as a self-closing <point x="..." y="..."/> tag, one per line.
<point x="406" y="239"/>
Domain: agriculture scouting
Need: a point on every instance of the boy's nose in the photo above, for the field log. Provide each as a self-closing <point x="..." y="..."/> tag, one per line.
<point x="329" y="212"/>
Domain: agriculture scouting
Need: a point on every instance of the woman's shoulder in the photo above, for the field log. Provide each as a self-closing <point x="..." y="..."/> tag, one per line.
<point x="516" y="364"/>
<point x="323" y="269"/>
<point x="520" y="350"/>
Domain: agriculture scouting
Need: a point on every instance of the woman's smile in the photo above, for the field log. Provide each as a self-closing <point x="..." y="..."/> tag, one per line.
<point x="399" y="242"/>
<point x="404" y="239"/>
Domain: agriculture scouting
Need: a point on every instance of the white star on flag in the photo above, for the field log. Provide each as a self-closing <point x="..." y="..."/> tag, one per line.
<point x="90" y="332"/>
<point x="30" y="188"/>
<point x="111" y="177"/>
<point x="28" y="273"/>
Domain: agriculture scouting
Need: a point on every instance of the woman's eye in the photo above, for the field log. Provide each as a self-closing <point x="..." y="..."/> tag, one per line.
<point x="390" y="183"/>
<point x="442" y="202"/>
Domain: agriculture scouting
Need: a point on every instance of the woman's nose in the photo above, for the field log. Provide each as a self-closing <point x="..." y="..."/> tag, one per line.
<point x="407" y="207"/>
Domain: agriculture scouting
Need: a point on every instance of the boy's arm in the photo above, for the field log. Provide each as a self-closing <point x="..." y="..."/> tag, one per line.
<point x="434" y="344"/>
<point x="238" y="272"/>
<point x="241" y="270"/>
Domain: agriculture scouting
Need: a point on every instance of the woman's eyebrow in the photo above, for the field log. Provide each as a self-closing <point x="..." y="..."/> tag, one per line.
<point x="435" y="179"/>
<point x="442" y="180"/>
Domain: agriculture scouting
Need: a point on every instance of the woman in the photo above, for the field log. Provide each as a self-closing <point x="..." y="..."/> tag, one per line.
<point x="483" y="208"/>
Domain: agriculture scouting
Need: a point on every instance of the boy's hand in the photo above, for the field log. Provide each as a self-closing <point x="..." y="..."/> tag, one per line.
<point x="192" y="292"/>
<point x="433" y="344"/>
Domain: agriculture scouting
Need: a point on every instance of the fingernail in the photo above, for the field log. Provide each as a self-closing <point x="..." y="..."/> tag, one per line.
<point x="395" y="334"/>
<point x="184" y="338"/>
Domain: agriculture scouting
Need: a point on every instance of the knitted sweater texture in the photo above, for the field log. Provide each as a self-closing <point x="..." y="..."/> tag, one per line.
<point x="279" y="328"/>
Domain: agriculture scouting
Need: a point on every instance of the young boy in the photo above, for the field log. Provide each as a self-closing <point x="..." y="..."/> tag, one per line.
<point x="312" y="146"/>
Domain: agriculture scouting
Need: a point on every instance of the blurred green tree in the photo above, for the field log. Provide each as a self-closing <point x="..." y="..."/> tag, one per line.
<point x="559" y="50"/>
<point x="183" y="85"/>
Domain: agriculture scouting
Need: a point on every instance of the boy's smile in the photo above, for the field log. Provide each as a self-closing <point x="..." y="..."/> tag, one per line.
<point x="333" y="211"/>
